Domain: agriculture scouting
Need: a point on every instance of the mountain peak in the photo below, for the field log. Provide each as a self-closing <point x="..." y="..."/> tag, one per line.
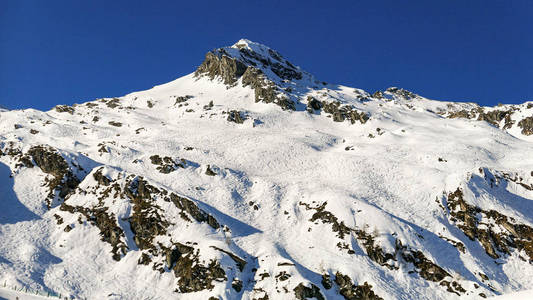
<point x="232" y="62"/>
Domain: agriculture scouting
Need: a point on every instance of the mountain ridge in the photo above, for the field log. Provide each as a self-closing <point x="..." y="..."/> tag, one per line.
<point x="243" y="181"/>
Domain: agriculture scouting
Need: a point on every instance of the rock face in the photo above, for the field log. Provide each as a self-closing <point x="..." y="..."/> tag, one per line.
<point x="49" y="161"/>
<point x="217" y="63"/>
<point x="497" y="233"/>
<point x="302" y="292"/>
<point x="527" y="125"/>
<point x="249" y="65"/>
<point x="351" y="291"/>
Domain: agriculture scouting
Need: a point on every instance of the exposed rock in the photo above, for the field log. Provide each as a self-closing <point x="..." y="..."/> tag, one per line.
<point x="346" y="112"/>
<point x="494" y="117"/>
<point x="116" y="124"/>
<point x="193" y="210"/>
<point x="51" y="162"/>
<point x="182" y="99"/>
<point x="217" y="63"/>
<point x="236" y="116"/>
<point x="326" y="281"/>
<point x="351" y="291"/>
<point x="499" y="234"/>
<point x="166" y="164"/>
<point x="424" y="267"/>
<point x="313" y="104"/>
<point x="64" y="109"/>
<point x="241" y="263"/>
<point x="266" y="90"/>
<point x="113" y="103"/>
<point x="209" y="172"/>
<point x="193" y="276"/>
<point x="402" y="93"/>
<point x="236" y="284"/>
<point x="146" y="221"/>
<point x="527" y="125"/>
<point x="110" y="231"/>
<point x="303" y="292"/>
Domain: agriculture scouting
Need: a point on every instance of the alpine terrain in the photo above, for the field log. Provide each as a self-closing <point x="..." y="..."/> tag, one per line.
<point x="252" y="179"/>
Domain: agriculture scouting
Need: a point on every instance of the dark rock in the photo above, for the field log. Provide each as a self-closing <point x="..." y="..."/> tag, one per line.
<point x="216" y="63"/>
<point x="192" y="209"/>
<point x="182" y="99"/>
<point x="351" y="291"/>
<point x="116" y="124"/>
<point x="50" y="162"/>
<point x="509" y="234"/>
<point x="236" y="285"/>
<point x="110" y="231"/>
<point x="303" y="292"/>
<point x="326" y="281"/>
<point x="146" y="221"/>
<point x="209" y="172"/>
<point x="113" y="103"/>
<point x="144" y="259"/>
<point x="100" y="178"/>
<point x="341" y="113"/>
<point x="64" y="108"/>
<point x="313" y="104"/>
<point x="265" y="90"/>
<point x="402" y="93"/>
<point x="241" y="263"/>
<point x="527" y="125"/>
<point x="494" y="117"/>
<point x="236" y="117"/>
<point x="193" y="276"/>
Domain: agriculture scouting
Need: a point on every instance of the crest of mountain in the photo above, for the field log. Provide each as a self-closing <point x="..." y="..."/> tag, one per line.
<point x="251" y="179"/>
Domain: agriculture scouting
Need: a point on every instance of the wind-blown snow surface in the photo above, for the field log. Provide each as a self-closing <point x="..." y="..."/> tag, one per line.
<point x="388" y="177"/>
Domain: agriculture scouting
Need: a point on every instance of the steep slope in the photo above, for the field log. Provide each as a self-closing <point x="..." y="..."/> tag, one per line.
<point x="250" y="179"/>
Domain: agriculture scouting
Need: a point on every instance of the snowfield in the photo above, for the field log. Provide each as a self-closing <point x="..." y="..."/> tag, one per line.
<point x="233" y="185"/>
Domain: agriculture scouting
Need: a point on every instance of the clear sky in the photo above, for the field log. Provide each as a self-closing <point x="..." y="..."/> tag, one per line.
<point x="65" y="52"/>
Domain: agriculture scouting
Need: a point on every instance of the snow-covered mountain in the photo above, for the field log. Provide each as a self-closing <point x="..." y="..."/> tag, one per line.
<point x="251" y="179"/>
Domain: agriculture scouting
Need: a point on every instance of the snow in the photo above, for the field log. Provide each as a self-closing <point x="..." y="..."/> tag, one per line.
<point x="387" y="184"/>
<point x="522" y="295"/>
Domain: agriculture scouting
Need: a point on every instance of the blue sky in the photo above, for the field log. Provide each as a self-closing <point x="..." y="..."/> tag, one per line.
<point x="64" y="52"/>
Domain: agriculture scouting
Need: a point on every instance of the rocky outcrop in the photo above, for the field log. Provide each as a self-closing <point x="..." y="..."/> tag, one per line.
<point x="236" y="116"/>
<point x="313" y="104"/>
<point x="405" y="94"/>
<point x="422" y="265"/>
<point x="249" y="66"/>
<point x="182" y="99"/>
<point x="146" y="221"/>
<point x="51" y="162"/>
<point x="166" y="164"/>
<point x="106" y="222"/>
<point x="303" y="292"/>
<point x="496" y="116"/>
<point x="218" y="63"/>
<point x="189" y="207"/>
<point x="527" y="125"/>
<point x="350" y="291"/>
<point x="64" y="109"/>
<point x="193" y="275"/>
<point x="266" y="90"/>
<point x="497" y="233"/>
<point x="345" y="112"/>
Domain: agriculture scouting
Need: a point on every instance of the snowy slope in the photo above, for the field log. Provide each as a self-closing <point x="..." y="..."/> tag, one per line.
<point x="250" y="179"/>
